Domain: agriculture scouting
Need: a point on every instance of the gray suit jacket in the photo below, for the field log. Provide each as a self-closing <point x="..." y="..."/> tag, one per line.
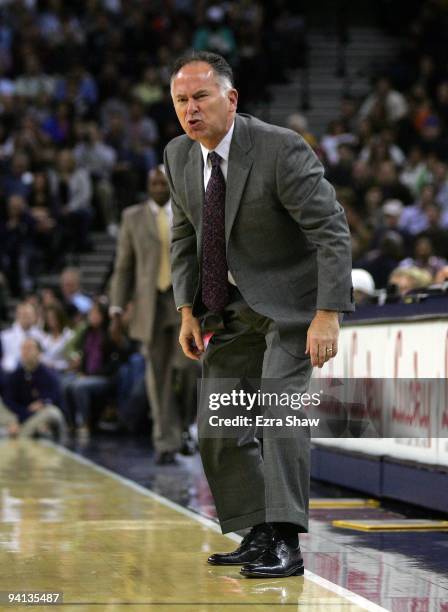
<point x="288" y="243"/>
<point x="136" y="269"/>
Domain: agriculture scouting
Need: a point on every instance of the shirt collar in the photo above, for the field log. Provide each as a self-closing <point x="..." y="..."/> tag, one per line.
<point x="156" y="208"/>
<point x="223" y="148"/>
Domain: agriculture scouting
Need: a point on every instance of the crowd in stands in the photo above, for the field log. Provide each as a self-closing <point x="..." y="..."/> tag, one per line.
<point x="62" y="364"/>
<point x="86" y="112"/>
<point x="387" y="156"/>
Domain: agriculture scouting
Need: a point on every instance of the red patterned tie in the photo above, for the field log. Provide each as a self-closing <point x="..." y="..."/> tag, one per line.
<point x="215" y="287"/>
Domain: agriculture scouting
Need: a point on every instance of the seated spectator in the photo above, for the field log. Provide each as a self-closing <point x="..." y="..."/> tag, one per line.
<point x="439" y="172"/>
<point x="17" y="245"/>
<point x="414" y="219"/>
<point x="363" y="286"/>
<point x="340" y="174"/>
<point x="388" y="181"/>
<point x="389" y="220"/>
<point x="424" y="257"/>
<point x="393" y="102"/>
<point x="408" y="279"/>
<point x="98" y="158"/>
<point x="101" y="354"/>
<point x="436" y="231"/>
<point x="72" y="188"/>
<point x="57" y="335"/>
<point x="70" y="283"/>
<point x="149" y="90"/>
<point x="17" y="178"/>
<point x="33" y="394"/>
<point x="381" y="261"/>
<point x="336" y="135"/>
<point x="415" y="173"/>
<point x="12" y="338"/>
<point x="299" y="124"/>
<point x="59" y="124"/>
<point x="33" y="82"/>
<point x="42" y="208"/>
<point x="215" y="35"/>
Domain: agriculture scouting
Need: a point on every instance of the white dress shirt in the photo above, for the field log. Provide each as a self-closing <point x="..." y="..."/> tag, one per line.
<point x="155" y="208"/>
<point x="12" y="339"/>
<point x="223" y="149"/>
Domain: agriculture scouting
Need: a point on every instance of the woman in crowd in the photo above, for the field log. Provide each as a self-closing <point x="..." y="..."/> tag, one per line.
<point x="98" y="357"/>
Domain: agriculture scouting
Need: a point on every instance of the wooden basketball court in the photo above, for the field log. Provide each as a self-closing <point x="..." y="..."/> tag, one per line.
<point x="68" y="525"/>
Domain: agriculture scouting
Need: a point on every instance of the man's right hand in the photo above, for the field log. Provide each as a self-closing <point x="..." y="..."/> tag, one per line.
<point x="190" y="336"/>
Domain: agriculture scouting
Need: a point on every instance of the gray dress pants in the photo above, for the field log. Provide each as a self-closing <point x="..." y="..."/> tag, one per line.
<point x="253" y="482"/>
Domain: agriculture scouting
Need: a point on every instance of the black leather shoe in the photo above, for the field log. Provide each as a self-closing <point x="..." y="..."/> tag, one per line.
<point x="166" y="458"/>
<point x="252" y="546"/>
<point x="278" y="561"/>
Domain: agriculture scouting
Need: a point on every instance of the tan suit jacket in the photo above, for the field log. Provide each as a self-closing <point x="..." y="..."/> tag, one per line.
<point x="136" y="269"/>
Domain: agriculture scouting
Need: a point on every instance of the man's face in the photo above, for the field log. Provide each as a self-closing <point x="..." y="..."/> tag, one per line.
<point x="158" y="187"/>
<point x="26" y="316"/>
<point x="69" y="283"/>
<point x="30" y="354"/>
<point x="204" y="110"/>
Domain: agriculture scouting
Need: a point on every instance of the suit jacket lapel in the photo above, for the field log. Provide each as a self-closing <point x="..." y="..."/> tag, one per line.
<point x="194" y="187"/>
<point x="239" y="165"/>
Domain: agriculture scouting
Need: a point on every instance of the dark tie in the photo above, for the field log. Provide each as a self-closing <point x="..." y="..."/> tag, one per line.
<point x="215" y="288"/>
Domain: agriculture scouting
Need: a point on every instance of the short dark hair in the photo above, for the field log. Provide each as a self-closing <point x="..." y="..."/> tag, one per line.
<point x="220" y="66"/>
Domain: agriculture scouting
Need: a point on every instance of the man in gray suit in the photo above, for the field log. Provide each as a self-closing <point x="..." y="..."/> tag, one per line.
<point x="142" y="276"/>
<point x="261" y="256"/>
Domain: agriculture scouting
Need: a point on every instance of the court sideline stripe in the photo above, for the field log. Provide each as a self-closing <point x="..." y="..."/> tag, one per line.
<point x="353" y="598"/>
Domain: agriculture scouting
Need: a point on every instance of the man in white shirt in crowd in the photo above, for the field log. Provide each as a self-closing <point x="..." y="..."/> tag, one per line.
<point x="12" y="338"/>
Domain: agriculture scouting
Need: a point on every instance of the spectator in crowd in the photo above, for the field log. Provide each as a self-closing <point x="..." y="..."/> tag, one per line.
<point x="149" y="90"/>
<point x="100" y="354"/>
<point x="17" y="245"/>
<point x="299" y="123"/>
<point x="72" y="187"/>
<point x="142" y="275"/>
<point x="381" y="261"/>
<point x="17" y="179"/>
<point x="436" y="231"/>
<point x="414" y="219"/>
<point x="12" y="338"/>
<point x="336" y="135"/>
<point x="214" y="35"/>
<point x="72" y="295"/>
<point x="415" y="173"/>
<point x="33" y="393"/>
<point x="57" y="336"/>
<point x="363" y="286"/>
<point x="108" y="66"/>
<point x="408" y="279"/>
<point x="98" y="158"/>
<point x="424" y="257"/>
<point x="391" y="103"/>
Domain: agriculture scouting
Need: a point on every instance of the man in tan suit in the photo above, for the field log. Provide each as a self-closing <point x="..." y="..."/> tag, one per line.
<point x="142" y="276"/>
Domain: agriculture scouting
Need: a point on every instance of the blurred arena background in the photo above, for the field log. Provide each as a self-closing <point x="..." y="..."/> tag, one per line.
<point x="85" y="114"/>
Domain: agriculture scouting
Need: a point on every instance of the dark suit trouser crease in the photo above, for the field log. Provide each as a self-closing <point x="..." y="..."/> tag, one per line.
<point x="252" y="482"/>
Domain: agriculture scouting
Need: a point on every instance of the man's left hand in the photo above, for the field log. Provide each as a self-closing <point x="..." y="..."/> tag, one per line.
<point x="322" y="337"/>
